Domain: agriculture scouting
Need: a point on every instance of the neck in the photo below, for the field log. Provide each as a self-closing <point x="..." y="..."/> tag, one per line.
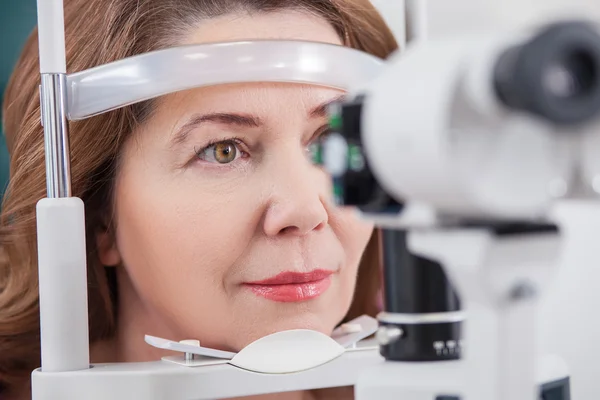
<point x="134" y="321"/>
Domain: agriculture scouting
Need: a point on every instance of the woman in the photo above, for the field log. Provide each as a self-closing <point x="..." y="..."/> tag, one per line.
<point x="198" y="203"/>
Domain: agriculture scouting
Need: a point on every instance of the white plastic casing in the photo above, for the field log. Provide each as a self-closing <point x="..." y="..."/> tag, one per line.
<point x="146" y="76"/>
<point x="426" y="381"/>
<point x="62" y="284"/>
<point x="430" y="111"/>
<point x="167" y="381"/>
<point x="590" y="162"/>
<point x="568" y="320"/>
<point x="51" y="35"/>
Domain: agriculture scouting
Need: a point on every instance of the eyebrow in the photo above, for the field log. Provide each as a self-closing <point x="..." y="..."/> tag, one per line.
<point x="241" y="120"/>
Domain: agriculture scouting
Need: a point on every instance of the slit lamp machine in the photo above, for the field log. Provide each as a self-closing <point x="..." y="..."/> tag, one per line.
<point x="474" y="150"/>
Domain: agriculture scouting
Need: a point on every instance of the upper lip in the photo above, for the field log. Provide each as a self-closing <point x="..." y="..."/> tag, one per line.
<point x="290" y="278"/>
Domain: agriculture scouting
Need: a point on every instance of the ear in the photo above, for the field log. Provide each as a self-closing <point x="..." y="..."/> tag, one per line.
<point x="108" y="251"/>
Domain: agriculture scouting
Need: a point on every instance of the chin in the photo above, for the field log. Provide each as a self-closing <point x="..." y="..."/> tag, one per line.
<point x="316" y="322"/>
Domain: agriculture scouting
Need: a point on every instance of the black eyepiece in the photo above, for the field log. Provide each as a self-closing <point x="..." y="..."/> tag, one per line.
<point x="555" y="76"/>
<point x="574" y="76"/>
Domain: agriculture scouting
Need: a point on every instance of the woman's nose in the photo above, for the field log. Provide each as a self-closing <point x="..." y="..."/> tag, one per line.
<point x="297" y="200"/>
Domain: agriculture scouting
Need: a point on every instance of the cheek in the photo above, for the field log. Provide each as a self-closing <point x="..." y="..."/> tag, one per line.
<point x="353" y="232"/>
<point x="181" y="237"/>
<point x="354" y="235"/>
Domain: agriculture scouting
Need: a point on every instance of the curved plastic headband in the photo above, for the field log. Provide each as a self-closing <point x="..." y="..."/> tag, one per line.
<point x="154" y="74"/>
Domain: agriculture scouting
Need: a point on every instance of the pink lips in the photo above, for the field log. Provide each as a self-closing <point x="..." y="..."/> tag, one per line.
<point x="290" y="287"/>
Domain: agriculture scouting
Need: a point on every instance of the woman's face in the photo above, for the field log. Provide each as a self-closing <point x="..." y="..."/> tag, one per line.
<point x="225" y="231"/>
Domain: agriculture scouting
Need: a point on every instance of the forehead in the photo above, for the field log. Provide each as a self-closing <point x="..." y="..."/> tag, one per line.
<point x="279" y="25"/>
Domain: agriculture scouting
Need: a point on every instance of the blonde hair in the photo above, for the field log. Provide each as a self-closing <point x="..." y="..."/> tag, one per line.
<point x="98" y="32"/>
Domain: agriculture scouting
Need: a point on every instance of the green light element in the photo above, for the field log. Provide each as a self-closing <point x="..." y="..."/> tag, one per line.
<point x="316" y="153"/>
<point x="335" y="116"/>
<point x="338" y="193"/>
<point x="335" y="122"/>
<point x="356" y="160"/>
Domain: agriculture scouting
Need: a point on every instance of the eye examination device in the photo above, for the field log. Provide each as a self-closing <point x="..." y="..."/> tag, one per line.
<point x="473" y="151"/>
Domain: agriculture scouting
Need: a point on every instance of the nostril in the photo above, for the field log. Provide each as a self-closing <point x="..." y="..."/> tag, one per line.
<point x="289" y="230"/>
<point x="321" y="226"/>
<point x="296" y="230"/>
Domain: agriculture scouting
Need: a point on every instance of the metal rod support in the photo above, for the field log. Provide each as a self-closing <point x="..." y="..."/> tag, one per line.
<point x="56" y="134"/>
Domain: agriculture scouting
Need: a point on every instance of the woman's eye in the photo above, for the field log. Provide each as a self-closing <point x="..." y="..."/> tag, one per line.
<point x="222" y="152"/>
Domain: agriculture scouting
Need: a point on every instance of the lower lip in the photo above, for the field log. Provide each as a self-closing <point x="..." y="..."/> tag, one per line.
<point x="293" y="292"/>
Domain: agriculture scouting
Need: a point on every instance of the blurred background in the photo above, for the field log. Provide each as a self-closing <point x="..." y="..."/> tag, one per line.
<point x="17" y="19"/>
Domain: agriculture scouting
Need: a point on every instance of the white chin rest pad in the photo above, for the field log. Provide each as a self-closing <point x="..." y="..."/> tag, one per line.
<point x="287" y="352"/>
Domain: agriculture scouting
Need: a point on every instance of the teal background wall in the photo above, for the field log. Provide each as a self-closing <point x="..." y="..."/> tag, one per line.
<point x="17" y="19"/>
